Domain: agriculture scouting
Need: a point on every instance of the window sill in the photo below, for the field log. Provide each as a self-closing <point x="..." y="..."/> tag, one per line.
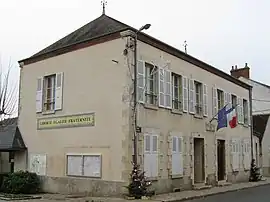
<point x="48" y="112"/>
<point x="176" y="111"/>
<point x="149" y="106"/>
<point x="197" y="116"/>
<point x="177" y="176"/>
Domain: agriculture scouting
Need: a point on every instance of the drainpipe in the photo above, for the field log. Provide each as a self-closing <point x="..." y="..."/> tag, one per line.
<point x="251" y="122"/>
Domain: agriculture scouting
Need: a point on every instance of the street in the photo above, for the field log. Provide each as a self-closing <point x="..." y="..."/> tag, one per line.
<point x="260" y="194"/>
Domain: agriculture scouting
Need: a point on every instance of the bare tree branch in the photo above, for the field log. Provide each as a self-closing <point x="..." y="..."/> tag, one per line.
<point x="8" y="91"/>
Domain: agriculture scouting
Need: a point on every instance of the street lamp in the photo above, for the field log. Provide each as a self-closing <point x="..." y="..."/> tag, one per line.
<point x="145" y="27"/>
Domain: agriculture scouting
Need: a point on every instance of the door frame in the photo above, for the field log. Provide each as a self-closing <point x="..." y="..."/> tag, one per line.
<point x="221" y="137"/>
<point x="199" y="136"/>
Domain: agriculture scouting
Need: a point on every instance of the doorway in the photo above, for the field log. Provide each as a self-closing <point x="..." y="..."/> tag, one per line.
<point x="221" y="161"/>
<point x="199" y="172"/>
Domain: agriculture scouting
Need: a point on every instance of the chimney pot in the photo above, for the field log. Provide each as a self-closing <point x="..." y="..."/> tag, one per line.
<point x="235" y="66"/>
<point x="232" y="67"/>
<point x="246" y="64"/>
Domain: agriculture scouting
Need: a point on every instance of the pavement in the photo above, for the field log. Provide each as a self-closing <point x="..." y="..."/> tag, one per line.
<point x="235" y="192"/>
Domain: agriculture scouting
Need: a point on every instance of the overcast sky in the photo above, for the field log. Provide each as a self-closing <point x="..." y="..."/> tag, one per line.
<point x="220" y="32"/>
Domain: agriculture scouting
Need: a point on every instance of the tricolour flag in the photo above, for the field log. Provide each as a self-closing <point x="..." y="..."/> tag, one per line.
<point x="227" y="116"/>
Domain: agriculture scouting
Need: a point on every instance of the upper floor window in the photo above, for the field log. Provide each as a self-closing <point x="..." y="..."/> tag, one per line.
<point x="198" y="98"/>
<point x="49" y="93"/>
<point x="220" y="99"/>
<point x="245" y="111"/>
<point x="177" y="92"/>
<point x="151" y="84"/>
<point x="234" y="100"/>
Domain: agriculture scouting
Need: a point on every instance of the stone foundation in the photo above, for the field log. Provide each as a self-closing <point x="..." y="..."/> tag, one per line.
<point x="85" y="186"/>
<point x="91" y="187"/>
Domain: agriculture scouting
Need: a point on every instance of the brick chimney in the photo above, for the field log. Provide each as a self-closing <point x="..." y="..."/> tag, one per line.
<point x="244" y="72"/>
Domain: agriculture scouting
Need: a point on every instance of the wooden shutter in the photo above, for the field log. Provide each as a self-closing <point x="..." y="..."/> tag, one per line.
<point x="205" y="100"/>
<point x="175" y="156"/>
<point x="191" y="96"/>
<point x="147" y="155"/>
<point x="161" y="87"/>
<point x="140" y="81"/>
<point x="39" y="95"/>
<point x="239" y="110"/>
<point x="229" y="100"/>
<point x="168" y="89"/>
<point x="181" y="154"/>
<point x="246" y="154"/>
<point x="185" y="93"/>
<point x="214" y="102"/>
<point x="154" y="156"/>
<point x="59" y="91"/>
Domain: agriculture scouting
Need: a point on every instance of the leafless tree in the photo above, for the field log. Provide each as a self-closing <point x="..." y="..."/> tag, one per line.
<point x="8" y="92"/>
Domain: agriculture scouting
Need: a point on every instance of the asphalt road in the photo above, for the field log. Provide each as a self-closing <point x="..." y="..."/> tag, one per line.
<point x="256" y="194"/>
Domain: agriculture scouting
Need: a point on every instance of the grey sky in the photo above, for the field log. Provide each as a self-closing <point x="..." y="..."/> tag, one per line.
<point x="221" y="33"/>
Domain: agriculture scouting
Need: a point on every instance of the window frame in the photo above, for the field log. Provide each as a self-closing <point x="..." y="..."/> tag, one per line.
<point x="198" y="102"/>
<point x="83" y="155"/>
<point x="45" y="98"/>
<point x="245" y="112"/>
<point x="221" y="101"/>
<point x="177" y="101"/>
<point x="153" y="83"/>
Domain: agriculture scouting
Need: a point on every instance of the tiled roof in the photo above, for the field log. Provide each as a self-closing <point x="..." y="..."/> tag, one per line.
<point x="101" y="26"/>
<point x="10" y="136"/>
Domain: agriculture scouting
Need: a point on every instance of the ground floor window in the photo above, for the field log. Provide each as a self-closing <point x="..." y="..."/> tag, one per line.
<point x="86" y="165"/>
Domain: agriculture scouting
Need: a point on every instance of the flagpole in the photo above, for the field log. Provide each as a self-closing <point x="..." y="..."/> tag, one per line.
<point x="219" y="110"/>
<point x="217" y="113"/>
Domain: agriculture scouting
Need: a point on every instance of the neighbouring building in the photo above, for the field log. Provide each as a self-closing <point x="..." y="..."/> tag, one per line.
<point x="260" y="114"/>
<point x="10" y="142"/>
<point x="77" y="121"/>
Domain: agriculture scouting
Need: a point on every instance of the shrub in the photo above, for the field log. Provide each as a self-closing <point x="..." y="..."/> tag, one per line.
<point x="21" y="182"/>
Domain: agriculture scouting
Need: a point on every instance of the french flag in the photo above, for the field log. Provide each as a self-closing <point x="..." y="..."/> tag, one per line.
<point x="232" y="117"/>
<point x="227" y="116"/>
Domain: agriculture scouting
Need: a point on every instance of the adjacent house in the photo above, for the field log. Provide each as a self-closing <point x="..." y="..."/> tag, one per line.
<point x="77" y="121"/>
<point x="10" y="142"/>
<point x="260" y="113"/>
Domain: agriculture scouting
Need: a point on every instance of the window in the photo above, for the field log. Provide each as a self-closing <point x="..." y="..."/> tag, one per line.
<point x="49" y="93"/>
<point x="177" y="92"/>
<point x="177" y="155"/>
<point x="235" y="154"/>
<point x="245" y="111"/>
<point x="151" y="155"/>
<point x="220" y="99"/>
<point x="198" y="98"/>
<point x="151" y="84"/>
<point x="84" y="165"/>
<point x="234" y="100"/>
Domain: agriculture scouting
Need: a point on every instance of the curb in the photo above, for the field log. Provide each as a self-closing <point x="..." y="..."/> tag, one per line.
<point x="213" y="194"/>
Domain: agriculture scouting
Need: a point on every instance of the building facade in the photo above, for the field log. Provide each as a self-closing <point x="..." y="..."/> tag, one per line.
<point x="260" y="114"/>
<point x="76" y="117"/>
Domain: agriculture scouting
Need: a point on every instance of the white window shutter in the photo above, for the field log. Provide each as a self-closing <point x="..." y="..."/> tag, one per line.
<point x="154" y="156"/>
<point x="175" y="156"/>
<point x="168" y="89"/>
<point x="214" y="101"/>
<point x="229" y="100"/>
<point x="191" y="97"/>
<point x="239" y="109"/>
<point x="161" y="88"/>
<point x="147" y="155"/>
<point x="181" y="154"/>
<point x="39" y="95"/>
<point x="225" y="97"/>
<point x="140" y="81"/>
<point x="185" y="93"/>
<point x="205" y="100"/>
<point x="59" y="91"/>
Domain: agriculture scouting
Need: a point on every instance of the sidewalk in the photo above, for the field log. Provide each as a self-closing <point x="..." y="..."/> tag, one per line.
<point x="171" y="197"/>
